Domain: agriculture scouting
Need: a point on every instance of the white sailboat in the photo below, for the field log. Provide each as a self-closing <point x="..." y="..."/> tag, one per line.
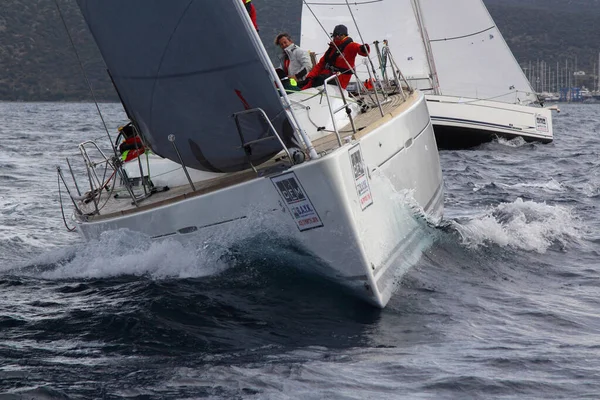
<point x="475" y="89"/>
<point x="198" y="86"/>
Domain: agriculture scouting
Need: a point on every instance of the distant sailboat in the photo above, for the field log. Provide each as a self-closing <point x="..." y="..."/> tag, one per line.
<point x="453" y="51"/>
<point x="201" y="92"/>
<point x="482" y="91"/>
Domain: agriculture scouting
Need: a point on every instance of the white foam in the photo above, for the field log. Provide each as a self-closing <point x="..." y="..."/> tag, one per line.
<point x="515" y="142"/>
<point x="525" y="225"/>
<point x="551" y="185"/>
<point x="124" y="252"/>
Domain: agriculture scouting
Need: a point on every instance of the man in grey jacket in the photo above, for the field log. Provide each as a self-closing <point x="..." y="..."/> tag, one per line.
<point x="295" y="62"/>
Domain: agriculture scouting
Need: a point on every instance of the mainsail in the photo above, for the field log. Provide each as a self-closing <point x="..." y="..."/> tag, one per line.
<point x="471" y="57"/>
<point x="184" y="67"/>
<point x="393" y="20"/>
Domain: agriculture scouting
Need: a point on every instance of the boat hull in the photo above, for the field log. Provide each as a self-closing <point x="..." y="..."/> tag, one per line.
<point x="462" y="123"/>
<point x="353" y="209"/>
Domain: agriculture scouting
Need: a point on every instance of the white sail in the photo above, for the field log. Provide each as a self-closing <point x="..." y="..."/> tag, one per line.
<point x="471" y="57"/>
<point x="184" y="67"/>
<point x="377" y="20"/>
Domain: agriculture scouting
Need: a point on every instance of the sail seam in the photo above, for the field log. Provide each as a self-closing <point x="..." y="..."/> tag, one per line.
<point x="462" y="37"/>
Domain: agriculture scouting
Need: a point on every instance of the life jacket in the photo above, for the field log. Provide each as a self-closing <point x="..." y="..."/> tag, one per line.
<point x="332" y="56"/>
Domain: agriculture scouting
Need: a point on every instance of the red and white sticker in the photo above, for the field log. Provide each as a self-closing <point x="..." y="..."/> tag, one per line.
<point x="365" y="198"/>
<point x="297" y="201"/>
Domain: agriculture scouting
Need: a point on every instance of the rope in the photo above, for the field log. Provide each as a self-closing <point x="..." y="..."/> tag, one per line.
<point x="87" y="81"/>
<point x="350" y="68"/>
<point x="112" y="189"/>
<point x="491" y="98"/>
<point x="62" y="209"/>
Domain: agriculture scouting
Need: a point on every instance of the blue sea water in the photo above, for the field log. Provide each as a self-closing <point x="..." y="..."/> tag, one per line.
<point x="504" y="305"/>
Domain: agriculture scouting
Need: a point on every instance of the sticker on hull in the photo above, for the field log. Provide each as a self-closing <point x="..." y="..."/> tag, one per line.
<point x="297" y="201"/>
<point x="541" y="123"/>
<point x="365" y="198"/>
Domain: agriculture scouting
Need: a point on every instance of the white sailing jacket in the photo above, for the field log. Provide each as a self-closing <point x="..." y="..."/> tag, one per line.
<point x="299" y="61"/>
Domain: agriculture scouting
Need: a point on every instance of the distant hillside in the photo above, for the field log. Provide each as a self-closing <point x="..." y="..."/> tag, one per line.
<point x="38" y="63"/>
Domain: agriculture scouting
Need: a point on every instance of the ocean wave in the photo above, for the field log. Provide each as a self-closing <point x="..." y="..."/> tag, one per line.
<point x="524" y="225"/>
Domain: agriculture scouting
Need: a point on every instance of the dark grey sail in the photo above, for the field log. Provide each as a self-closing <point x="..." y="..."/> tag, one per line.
<point x="184" y="67"/>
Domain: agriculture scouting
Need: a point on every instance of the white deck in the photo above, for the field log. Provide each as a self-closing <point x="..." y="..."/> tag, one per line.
<point x="111" y="206"/>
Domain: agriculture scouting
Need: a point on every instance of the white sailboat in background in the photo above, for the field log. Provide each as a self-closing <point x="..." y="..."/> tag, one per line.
<point x="482" y="91"/>
<point x="452" y="50"/>
<point x="199" y="88"/>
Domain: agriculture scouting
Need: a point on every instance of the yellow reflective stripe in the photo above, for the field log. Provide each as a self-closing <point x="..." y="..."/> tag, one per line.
<point x="293" y="82"/>
<point x="247" y="1"/>
<point x="124" y="155"/>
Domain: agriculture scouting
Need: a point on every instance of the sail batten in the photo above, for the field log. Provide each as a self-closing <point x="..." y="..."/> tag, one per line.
<point x="185" y="67"/>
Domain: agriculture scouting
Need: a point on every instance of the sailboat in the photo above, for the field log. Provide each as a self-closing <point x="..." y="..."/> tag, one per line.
<point x="255" y="161"/>
<point x="452" y="50"/>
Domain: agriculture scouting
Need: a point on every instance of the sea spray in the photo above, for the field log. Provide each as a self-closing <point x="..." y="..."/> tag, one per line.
<point x="524" y="225"/>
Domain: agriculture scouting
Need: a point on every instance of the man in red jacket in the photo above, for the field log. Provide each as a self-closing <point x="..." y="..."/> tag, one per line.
<point x="333" y="62"/>
<point x="251" y="12"/>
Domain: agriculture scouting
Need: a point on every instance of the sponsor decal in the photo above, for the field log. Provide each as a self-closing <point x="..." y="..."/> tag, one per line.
<point x="541" y="123"/>
<point x="297" y="201"/>
<point x="360" y="177"/>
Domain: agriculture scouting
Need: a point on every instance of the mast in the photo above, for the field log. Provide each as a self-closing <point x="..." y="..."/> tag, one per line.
<point x="430" y="60"/>
<point x="557" y="78"/>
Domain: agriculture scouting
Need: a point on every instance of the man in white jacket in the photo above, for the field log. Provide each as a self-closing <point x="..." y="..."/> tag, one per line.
<point x="295" y="62"/>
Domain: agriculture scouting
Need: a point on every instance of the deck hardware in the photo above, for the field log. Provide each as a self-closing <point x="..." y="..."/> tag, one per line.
<point x="171" y="138"/>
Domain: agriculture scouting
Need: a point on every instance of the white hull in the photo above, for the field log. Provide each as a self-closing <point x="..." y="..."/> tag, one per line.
<point x="361" y="236"/>
<point x="462" y="122"/>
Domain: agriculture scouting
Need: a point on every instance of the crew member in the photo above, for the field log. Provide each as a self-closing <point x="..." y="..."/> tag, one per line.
<point x="132" y="147"/>
<point x="294" y="61"/>
<point x="339" y="58"/>
<point x="251" y="12"/>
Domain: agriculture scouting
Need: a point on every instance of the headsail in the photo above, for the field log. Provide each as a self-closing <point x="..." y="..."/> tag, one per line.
<point x="471" y="57"/>
<point x="184" y="67"/>
<point x="393" y="20"/>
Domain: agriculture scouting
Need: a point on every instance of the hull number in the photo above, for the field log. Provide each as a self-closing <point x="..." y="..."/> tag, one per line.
<point x="541" y="123"/>
<point x="297" y="201"/>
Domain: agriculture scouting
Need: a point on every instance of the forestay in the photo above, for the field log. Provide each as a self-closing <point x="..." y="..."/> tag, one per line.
<point x="184" y="67"/>
<point x="471" y="57"/>
<point x="393" y="20"/>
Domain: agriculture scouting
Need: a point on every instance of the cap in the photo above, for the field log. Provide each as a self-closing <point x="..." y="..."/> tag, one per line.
<point x="340" y="30"/>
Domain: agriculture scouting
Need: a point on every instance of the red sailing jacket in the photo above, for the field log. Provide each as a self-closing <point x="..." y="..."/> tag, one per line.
<point x="251" y="12"/>
<point x="333" y="62"/>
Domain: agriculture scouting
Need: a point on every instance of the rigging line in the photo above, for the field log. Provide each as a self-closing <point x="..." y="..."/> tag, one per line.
<point x="362" y="40"/>
<point x="334" y="45"/>
<point x="87" y="81"/>
<point x="62" y="210"/>
<point x="493" y="97"/>
<point x="463" y="36"/>
<point x="328" y="36"/>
